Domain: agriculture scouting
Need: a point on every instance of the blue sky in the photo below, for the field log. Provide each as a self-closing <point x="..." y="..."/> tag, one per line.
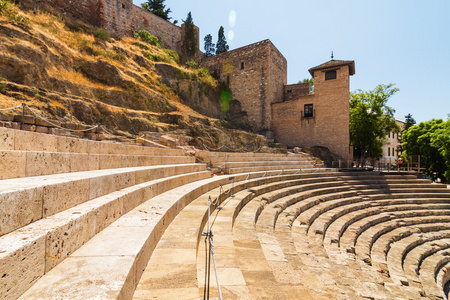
<point x="406" y="42"/>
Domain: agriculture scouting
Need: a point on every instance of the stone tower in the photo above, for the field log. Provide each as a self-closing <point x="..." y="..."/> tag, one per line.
<point x="321" y="117"/>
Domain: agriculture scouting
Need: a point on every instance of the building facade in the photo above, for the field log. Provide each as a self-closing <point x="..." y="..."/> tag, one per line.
<point x="291" y="114"/>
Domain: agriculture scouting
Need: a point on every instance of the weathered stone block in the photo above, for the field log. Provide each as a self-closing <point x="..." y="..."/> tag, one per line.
<point x="84" y="162"/>
<point x="42" y="129"/>
<point x="32" y="141"/>
<point x="19" y="208"/>
<point x="61" y="196"/>
<point x="109" y="161"/>
<point x="22" y="263"/>
<point x="24" y="119"/>
<point x="46" y="163"/>
<point x="7" y="138"/>
<point x="12" y="164"/>
<point x="71" y="231"/>
<point x="72" y="145"/>
<point x="50" y="123"/>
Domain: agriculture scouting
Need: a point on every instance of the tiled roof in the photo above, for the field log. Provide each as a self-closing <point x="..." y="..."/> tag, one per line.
<point x="334" y="63"/>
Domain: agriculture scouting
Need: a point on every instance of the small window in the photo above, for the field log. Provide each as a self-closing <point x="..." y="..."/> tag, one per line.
<point x="242" y="65"/>
<point x="393" y="153"/>
<point x="123" y="5"/>
<point x="309" y="112"/>
<point x="289" y="91"/>
<point x="389" y="151"/>
<point x="389" y="134"/>
<point x="330" y="75"/>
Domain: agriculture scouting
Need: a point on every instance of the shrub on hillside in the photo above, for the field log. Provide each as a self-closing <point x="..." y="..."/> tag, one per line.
<point x="6" y="9"/>
<point x="147" y="37"/>
<point x="191" y="64"/>
<point x="102" y="34"/>
<point x="173" y="54"/>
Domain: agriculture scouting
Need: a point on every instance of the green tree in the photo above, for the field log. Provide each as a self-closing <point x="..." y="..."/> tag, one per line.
<point x="430" y="140"/>
<point x="371" y="120"/>
<point x="221" y="45"/>
<point x="307" y="80"/>
<point x="209" y="46"/>
<point x="190" y="47"/>
<point x="409" y="121"/>
<point x="158" y="8"/>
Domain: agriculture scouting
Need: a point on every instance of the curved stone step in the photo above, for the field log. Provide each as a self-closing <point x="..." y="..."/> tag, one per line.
<point x="33" y="250"/>
<point x="428" y="273"/>
<point x="110" y="264"/>
<point x="18" y="164"/>
<point x="26" y="200"/>
<point x="402" y="246"/>
<point x="434" y="242"/>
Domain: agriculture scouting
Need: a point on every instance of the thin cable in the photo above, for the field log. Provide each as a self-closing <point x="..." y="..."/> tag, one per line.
<point x="11" y="108"/>
<point x="57" y="126"/>
<point x="211" y="246"/>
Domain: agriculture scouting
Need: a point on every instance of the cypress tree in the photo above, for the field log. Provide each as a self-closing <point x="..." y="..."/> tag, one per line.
<point x="209" y="46"/>
<point x="190" y="37"/>
<point x="221" y="45"/>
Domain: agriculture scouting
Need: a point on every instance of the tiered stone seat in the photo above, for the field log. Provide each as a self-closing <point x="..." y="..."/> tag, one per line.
<point x="45" y="219"/>
<point x="234" y="163"/>
<point x="112" y="217"/>
<point x="25" y="154"/>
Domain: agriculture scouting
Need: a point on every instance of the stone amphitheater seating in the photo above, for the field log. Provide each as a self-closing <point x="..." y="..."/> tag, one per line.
<point x="105" y="220"/>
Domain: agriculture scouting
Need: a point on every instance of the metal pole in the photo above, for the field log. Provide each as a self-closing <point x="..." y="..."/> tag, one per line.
<point x="23" y="115"/>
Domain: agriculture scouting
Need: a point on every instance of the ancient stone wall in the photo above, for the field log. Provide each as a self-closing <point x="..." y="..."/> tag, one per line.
<point x="329" y="125"/>
<point x="168" y="33"/>
<point x="119" y="17"/>
<point x="256" y="74"/>
<point x="85" y="10"/>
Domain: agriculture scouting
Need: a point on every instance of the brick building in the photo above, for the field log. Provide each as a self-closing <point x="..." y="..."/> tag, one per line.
<point x="292" y="114"/>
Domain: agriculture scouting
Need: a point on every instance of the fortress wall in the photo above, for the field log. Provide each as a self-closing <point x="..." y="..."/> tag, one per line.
<point x="168" y="33"/>
<point x="85" y="10"/>
<point x="119" y="17"/>
<point x="253" y="76"/>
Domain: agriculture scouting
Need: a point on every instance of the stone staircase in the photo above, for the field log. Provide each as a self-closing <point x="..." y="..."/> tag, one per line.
<point x="104" y="220"/>
<point x="235" y="163"/>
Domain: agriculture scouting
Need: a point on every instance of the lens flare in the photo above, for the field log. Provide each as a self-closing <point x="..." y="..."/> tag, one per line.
<point x="230" y="35"/>
<point x="232" y="18"/>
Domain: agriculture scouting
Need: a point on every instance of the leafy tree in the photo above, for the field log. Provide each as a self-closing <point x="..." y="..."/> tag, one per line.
<point x="371" y="120"/>
<point x="209" y="46"/>
<point x="190" y="37"/>
<point x="157" y="7"/>
<point x="430" y="140"/>
<point x="307" y="80"/>
<point x="221" y="45"/>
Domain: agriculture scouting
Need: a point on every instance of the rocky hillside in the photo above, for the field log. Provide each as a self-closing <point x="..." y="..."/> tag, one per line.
<point x="69" y="71"/>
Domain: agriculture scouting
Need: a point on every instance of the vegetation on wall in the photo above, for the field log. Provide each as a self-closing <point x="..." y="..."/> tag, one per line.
<point x="430" y="140"/>
<point x="371" y="119"/>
